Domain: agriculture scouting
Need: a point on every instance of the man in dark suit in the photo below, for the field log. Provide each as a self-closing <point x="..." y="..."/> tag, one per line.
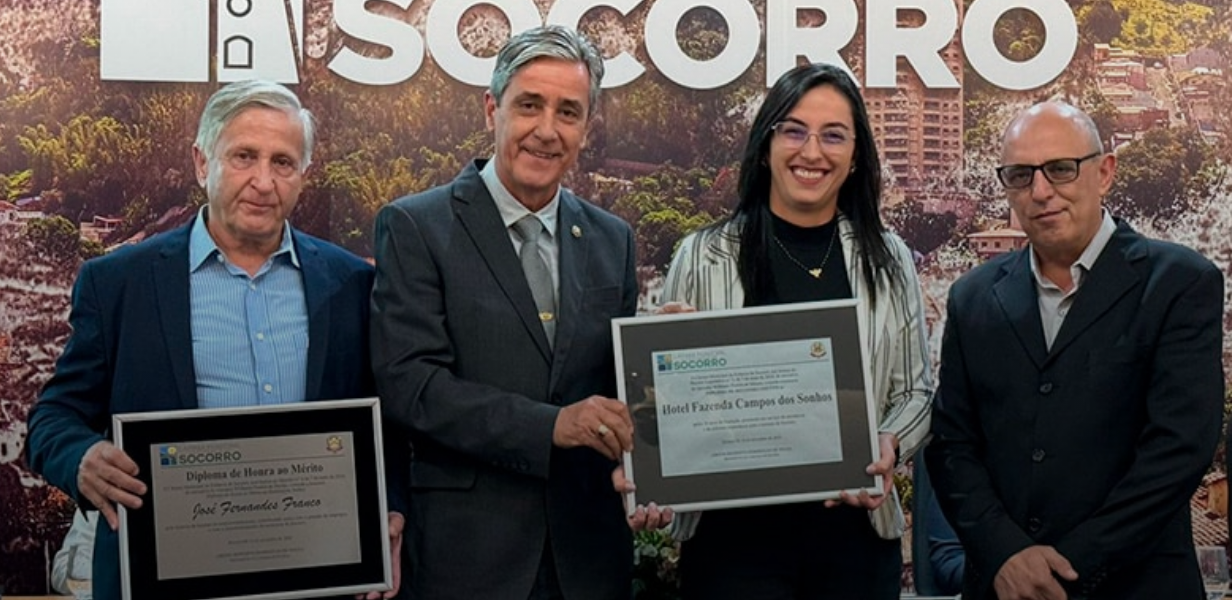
<point x="234" y="309"/>
<point x="1081" y="388"/>
<point x="494" y="350"/>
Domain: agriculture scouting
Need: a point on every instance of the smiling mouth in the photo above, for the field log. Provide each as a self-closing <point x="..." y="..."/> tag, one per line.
<point x="541" y="155"/>
<point x="804" y="173"/>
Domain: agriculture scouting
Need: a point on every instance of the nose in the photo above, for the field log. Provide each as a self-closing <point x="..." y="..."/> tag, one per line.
<point x="263" y="177"/>
<point x="1041" y="188"/>
<point x="545" y="125"/>
<point x="812" y="146"/>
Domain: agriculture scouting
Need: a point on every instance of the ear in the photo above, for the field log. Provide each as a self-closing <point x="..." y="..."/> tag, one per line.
<point x="489" y="110"/>
<point x="1107" y="172"/>
<point x="200" y="165"/>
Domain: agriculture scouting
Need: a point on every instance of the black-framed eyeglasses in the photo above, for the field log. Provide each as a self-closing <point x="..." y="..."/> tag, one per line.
<point x="1061" y="170"/>
<point x="795" y="135"/>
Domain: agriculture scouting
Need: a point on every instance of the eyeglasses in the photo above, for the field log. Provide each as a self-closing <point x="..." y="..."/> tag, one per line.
<point x="795" y="135"/>
<point x="1061" y="170"/>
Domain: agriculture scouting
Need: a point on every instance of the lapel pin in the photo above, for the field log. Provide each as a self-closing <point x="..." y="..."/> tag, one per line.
<point x="576" y="231"/>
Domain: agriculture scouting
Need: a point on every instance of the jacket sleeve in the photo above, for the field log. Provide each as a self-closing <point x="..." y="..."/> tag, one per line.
<point x="72" y="410"/>
<point x="908" y="405"/>
<point x="963" y="484"/>
<point x="1184" y="403"/>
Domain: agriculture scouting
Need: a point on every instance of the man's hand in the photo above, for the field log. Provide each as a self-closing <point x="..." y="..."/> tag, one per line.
<point x="597" y="422"/>
<point x="1028" y="575"/>
<point x="644" y="517"/>
<point x="884" y="468"/>
<point x="107" y="476"/>
<point x="396" y="523"/>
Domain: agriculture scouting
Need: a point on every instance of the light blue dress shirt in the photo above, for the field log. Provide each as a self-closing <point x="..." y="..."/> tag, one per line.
<point x="249" y="333"/>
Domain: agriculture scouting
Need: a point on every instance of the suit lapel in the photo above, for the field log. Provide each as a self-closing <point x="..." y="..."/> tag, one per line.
<point x="1110" y="278"/>
<point x="318" y="283"/>
<point x="170" y="281"/>
<point x="1017" y="296"/>
<point x="477" y="213"/>
<point x="574" y="251"/>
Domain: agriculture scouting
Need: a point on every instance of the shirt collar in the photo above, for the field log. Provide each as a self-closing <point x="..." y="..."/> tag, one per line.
<point x="201" y="246"/>
<point x="1086" y="260"/>
<point x="512" y="211"/>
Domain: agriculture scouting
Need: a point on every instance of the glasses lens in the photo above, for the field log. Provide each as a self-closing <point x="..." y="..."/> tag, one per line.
<point x="833" y="137"/>
<point x="1016" y="176"/>
<point x="1061" y="171"/>
<point x="793" y="134"/>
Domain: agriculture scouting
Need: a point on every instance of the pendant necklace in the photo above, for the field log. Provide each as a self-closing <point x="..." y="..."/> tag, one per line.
<point x="815" y="272"/>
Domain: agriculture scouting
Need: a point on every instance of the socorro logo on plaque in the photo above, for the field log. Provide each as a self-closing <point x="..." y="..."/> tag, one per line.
<point x="690" y="361"/>
<point x="181" y="456"/>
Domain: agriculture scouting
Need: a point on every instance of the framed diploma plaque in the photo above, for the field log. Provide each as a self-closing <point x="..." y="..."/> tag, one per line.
<point x="267" y="502"/>
<point x="750" y="406"/>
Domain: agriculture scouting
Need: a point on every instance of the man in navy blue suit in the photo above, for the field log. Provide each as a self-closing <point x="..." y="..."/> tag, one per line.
<point x="234" y="309"/>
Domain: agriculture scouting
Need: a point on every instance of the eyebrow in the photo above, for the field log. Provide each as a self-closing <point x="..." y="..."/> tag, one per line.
<point x="830" y="125"/>
<point x="574" y="104"/>
<point x="527" y="96"/>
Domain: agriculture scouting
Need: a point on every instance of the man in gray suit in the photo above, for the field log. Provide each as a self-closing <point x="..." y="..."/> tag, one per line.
<point x="1081" y="388"/>
<point x="492" y="349"/>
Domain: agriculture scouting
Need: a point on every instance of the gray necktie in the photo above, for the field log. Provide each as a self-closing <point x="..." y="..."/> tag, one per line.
<point x="529" y="228"/>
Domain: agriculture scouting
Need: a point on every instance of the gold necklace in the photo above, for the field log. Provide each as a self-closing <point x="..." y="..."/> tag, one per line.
<point x="816" y="273"/>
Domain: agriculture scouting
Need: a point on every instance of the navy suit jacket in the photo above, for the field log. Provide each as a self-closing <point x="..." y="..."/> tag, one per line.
<point x="1095" y="445"/>
<point x="131" y="351"/>
<point x="463" y="364"/>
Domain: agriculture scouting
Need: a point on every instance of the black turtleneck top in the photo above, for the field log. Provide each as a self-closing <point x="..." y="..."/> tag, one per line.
<point x="807" y="245"/>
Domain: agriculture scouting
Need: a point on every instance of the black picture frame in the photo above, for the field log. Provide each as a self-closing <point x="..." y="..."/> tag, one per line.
<point x="137" y="433"/>
<point x="636" y="339"/>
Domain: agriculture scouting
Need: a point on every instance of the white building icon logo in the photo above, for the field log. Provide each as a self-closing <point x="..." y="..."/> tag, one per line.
<point x="168" y="40"/>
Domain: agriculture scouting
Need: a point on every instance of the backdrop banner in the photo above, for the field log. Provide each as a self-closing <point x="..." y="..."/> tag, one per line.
<point x="99" y="101"/>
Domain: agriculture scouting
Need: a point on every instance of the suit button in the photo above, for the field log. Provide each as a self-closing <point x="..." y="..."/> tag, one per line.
<point x="1034" y="524"/>
<point x="1045" y="388"/>
<point x="1038" y="455"/>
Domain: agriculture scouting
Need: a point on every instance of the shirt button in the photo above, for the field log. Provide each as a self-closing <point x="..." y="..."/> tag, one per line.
<point x="1045" y="388"/>
<point x="1038" y="455"/>
<point x="1034" y="524"/>
<point x="268" y="388"/>
<point x="252" y="285"/>
<point x="261" y="336"/>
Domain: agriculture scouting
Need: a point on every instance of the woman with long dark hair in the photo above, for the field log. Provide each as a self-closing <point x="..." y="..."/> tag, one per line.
<point x="808" y="227"/>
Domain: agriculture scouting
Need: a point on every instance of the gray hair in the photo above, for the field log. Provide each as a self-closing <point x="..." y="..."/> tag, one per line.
<point x="548" y="41"/>
<point x="234" y="98"/>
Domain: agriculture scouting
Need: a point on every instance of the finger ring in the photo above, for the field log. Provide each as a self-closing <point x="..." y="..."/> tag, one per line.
<point x="602" y="430"/>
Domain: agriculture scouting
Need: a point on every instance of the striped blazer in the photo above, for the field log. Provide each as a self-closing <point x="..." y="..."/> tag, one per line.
<point x="703" y="273"/>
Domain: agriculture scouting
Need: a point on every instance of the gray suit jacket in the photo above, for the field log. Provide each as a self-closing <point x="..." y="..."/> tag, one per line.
<point x="462" y="363"/>
<point x="1095" y="445"/>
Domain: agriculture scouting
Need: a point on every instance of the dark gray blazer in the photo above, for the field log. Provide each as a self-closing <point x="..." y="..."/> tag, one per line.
<point x="1095" y="446"/>
<point x="462" y="362"/>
